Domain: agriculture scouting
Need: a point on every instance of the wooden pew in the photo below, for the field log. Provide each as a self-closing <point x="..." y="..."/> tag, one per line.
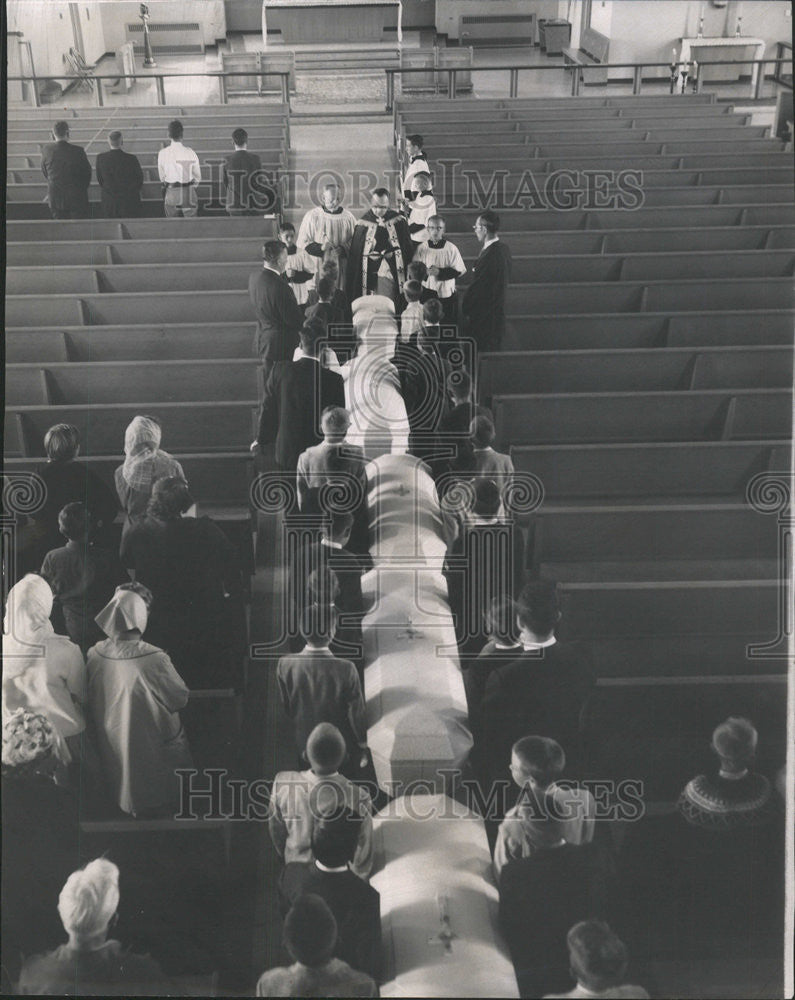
<point x="666" y="471"/>
<point x="201" y="427"/>
<point x="144" y="343"/>
<point x="708" y="414"/>
<point x="632" y="330"/>
<point x="586" y="59"/>
<point x="623" y="543"/>
<point x="53" y="230"/>
<point x="636" y="127"/>
<point x="646" y="369"/>
<point x="518" y="159"/>
<point x="96" y="382"/>
<point x="418" y="119"/>
<point x="153" y="251"/>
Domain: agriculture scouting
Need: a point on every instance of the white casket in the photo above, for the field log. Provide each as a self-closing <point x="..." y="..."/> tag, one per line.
<point x="432" y="862"/>
<point x="416" y="705"/>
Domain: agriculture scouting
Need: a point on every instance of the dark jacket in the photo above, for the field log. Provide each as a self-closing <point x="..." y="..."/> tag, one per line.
<point x="355" y="904"/>
<point x="279" y="317"/>
<point x="238" y="171"/>
<point x="542" y="691"/>
<point x="483" y="304"/>
<point x="120" y="177"/>
<point x="296" y="393"/>
<point x="68" y="174"/>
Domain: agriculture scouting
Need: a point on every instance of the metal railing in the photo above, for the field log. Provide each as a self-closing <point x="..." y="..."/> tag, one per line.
<point x="159" y="78"/>
<point x="674" y="69"/>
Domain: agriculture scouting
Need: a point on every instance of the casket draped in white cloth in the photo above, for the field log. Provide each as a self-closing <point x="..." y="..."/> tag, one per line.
<point x="416" y="705"/>
<point x="432" y="861"/>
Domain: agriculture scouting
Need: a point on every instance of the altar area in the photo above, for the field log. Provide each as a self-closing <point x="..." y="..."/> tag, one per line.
<point x="306" y="22"/>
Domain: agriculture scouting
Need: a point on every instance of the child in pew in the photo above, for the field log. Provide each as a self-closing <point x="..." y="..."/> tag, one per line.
<point x="421" y="207"/>
<point x="317" y="686"/>
<point x="82" y="575"/>
<point x="300" y="268"/>
<point x="411" y="317"/>
<point x="310" y="937"/>
<point x="300" y="799"/>
<point x="445" y="265"/>
<point x="536" y="764"/>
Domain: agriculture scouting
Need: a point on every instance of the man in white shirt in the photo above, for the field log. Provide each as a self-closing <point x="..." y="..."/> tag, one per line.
<point x="598" y="960"/>
<point x="180" y="173"/>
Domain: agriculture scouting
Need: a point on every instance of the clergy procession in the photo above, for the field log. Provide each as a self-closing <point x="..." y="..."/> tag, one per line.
<point x="396" y="585"/>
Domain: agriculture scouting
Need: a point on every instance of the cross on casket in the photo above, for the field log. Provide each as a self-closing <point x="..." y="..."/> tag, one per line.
<point x="410" y="632"/>
<point x="445" y="937"/>
<point x="402" y="491"/>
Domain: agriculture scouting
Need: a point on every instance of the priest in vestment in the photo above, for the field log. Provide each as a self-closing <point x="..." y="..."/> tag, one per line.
<point x="327" y="228"/>
<point x="381" y="249"/>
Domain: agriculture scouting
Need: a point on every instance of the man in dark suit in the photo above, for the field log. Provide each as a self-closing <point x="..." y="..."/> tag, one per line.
<point x="120" y="178"/>
<point x="354" y="903"/>
<point x="483" y="305"/>
<point x="279" y="317"/>
<point x="68" y="174"/>
<point x="543" y="690"/>
<point x="296" y="394"/>
<point x="243" y="179"/>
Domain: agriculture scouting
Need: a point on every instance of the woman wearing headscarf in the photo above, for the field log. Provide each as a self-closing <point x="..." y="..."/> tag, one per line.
<point x="144" y="464"/>
<point x="134" y="699"/>
<point x="193" y="572"/>
<point x="43" y="672"/>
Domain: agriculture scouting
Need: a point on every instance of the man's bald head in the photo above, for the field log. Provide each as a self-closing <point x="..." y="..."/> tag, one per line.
<point x="115" y="140"/>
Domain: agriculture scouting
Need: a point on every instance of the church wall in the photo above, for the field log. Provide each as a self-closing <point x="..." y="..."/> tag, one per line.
<point x="647" y="30"/>
<point x="449" y="11"/>
<point x="47" y="25"/>
<point x="210" y="15"/>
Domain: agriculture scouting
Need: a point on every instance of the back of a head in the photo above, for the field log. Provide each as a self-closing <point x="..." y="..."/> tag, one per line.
<point x="432" y="312"/>
<point x="115" y="139"/>
<point x="482" y="431"/>
<point x="325" y="748"/>
<point x="310" y="931"/>
<point x="415" y="139"/>
<point x="61" y="130"/>
<point x="272" y="251"/>
<point x="491" y="221"/>
<point x="459" y="385"/>
<point x="74" y="522"/>
<point x="335" y="838"/>
<point x="412" y="290"/>
<point x="170" y="498"/>
<point x="61" y="442"/>
<point x="335" y="421"/>
<point x="422" y="181"/>
<point x="487" y="498"/>
<point x="541" y="758"/>
<point x="538" y="607"/>
<point x="175" y="130"/>
<point x="319" y="619"/>
<point x="89" y="898"/>
<point x="501" y="619"/>
<point x="325" y="287"/>
<point x="240" y="137"/>
<point x="416" y="271"/>
<point x="598" y="956"/>
<point x="312" y="332"/>
<point x="735" y="741"/>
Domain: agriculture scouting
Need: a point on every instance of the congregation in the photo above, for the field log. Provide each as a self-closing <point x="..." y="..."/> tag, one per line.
<point x="366" y="346"/>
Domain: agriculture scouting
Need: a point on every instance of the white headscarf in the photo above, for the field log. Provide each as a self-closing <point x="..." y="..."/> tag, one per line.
<point x="126" y="611"/>
<point x="28" y="610"/>
<point x="89" y="898"/>
<point x="144" y="462"/>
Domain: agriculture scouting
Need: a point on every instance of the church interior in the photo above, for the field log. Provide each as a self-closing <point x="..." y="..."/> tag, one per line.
<point x="628" y="359"/>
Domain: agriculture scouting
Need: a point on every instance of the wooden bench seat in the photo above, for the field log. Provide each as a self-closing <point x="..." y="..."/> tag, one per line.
<point x="559" y="112"/>
<point x="130" y="381"/>
<point x="145" y="136"/>
<point x="216" y="479"/>
<point x="621" y="543"/>
<point x="132" y="343"/>
<point x="621" y="129"/>
<point x="693" y="471"/>
<point x="162" y="113"/>
<point x="134" y="229"/>
<point x="517" y="158"/>
<point x="272" y="157"/>
<point x="646" y="369"/>
<point x="162" y="251"/>
<point x="201" y="427"/>
<point x="706" y="415"/>
<point x="271" y="162"/>
<point x="586" y="59"/>
<point x="204" y="145"/>
<point x="130" y="278"/>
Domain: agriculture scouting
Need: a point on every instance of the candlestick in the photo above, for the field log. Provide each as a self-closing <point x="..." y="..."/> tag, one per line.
<point x="701" y="26"/>
<point x="739" y="25"/>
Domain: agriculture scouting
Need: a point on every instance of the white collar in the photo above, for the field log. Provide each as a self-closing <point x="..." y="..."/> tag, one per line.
<point x="304" y="355"/>
<point x="499" y="645"/>
<point x="324" y="868"/>
<point x="267" y="267"/>
<point x="331" y="545"/>
<point x="487" y="243"/>
<point x="733" y="775"/>
<point x="488" y="448"/>
<point x="537" y="645"/>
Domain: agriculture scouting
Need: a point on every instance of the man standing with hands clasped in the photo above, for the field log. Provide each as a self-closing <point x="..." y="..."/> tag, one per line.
<point x="483" y="305"/>
<point x="327" y="228"/>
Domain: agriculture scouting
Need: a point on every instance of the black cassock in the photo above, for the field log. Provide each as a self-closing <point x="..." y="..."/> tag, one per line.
<point x="373" y="242"/>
